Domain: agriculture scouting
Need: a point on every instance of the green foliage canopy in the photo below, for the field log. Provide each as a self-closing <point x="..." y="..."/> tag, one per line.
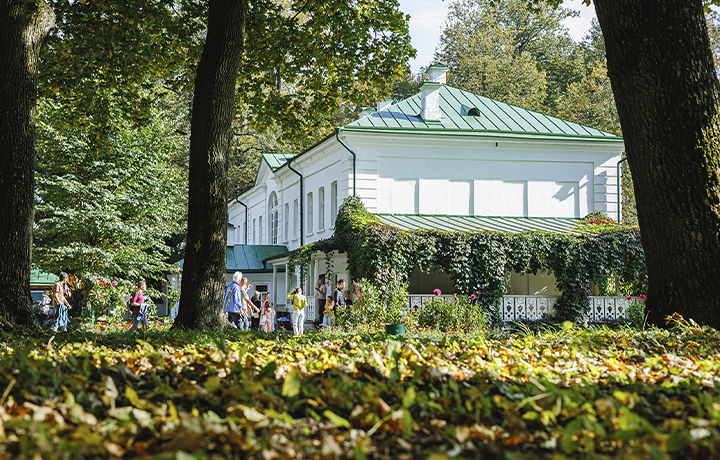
<point x="106" y="212"/>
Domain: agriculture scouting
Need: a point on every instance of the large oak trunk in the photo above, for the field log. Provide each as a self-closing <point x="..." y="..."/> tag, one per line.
<point x="666" y="91"/>
<point x="23" y="25"/>
<point x="211" y="129"/>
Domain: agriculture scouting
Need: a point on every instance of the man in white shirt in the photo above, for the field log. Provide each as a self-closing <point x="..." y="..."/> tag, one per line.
<point x="321" y="295"/>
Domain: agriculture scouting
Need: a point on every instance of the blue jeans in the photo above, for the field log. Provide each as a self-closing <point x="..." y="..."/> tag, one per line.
<point x="140" y="317"/>
<point x="137" y="319"/>
<point x="62" y="318"/>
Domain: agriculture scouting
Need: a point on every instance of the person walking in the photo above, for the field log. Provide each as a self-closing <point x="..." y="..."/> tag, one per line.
<point x="61" y="304"/>
<point x="321" y="295"/>
<point x="246" y="304"/>
<point x="233" y="302"/>
<point x="299" y="302"/>
<point x="140" y="308"/>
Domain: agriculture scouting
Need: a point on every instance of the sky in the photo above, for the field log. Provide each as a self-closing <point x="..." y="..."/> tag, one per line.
<point x="427" y="19"/>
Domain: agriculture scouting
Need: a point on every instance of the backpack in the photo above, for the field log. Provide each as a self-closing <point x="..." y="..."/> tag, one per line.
<point x="128" y="301"/>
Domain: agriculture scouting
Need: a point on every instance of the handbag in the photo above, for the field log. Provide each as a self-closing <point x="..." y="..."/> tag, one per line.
<point x="256" y="315"/>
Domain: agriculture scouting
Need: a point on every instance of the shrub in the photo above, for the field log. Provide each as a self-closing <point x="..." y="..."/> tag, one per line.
<point x="456" y="314"/>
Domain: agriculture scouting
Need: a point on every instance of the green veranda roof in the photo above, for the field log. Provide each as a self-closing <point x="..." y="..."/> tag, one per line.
<point x="465" y="112"/>
<point x="471" y="223"/>
<point x="40" y="279"/>
<point x="248" y="258"/>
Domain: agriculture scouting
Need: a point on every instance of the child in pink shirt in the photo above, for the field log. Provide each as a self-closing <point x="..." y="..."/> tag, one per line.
<point x="267" y="317"/>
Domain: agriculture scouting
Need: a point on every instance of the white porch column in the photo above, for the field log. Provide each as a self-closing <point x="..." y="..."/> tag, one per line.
<point x="287" y="283"/>
<point x="275" y="285"/>
<point x="317" y="270"/>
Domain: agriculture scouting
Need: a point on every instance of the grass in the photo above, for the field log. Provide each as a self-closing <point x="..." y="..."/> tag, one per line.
<point x="550" y="392"/>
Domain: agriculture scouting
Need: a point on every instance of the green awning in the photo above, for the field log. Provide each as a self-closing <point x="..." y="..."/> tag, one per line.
<point x="248" y="258"/>
<point x="471" y="223"/>
<point x="40" y="279"/>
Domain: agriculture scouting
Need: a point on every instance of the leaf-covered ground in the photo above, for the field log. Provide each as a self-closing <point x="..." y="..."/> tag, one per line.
<point x="565" y="394"/>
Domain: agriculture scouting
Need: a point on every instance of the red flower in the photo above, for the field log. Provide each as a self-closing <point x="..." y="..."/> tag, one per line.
<point x="437" y="292"/>
<point x="629" y="297"/>
<point x="472" y="297"/>
<point x="642" y="296"/>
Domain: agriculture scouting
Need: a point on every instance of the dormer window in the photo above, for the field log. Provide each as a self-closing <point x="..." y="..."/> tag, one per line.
<point x="467" y="111"/>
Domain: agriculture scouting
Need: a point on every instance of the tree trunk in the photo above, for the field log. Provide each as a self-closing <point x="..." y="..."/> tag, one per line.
<point x="661" y="69"/>
<point x="23" y="25"/>
<point x="212" y="114"/>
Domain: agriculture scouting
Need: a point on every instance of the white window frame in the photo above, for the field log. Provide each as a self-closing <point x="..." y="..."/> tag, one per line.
<point x="273" y="212"/>
<point x="321" y="209"/>
<point x="254" y="231"/>
<point x="260" y="230"/>
<point x="287" y="222"/>
<point x="310" y="213"/>
<point x="296" y="219"/>
<point x="333" y="203"/>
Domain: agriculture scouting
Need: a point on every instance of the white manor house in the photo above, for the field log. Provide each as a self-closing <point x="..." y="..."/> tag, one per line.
<point x="442" y="159"/>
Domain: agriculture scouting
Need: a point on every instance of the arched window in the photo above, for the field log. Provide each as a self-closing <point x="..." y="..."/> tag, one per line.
<point x="273" y="211"/>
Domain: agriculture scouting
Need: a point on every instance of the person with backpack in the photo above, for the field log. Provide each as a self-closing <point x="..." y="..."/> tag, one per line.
<point x="234" y="303"/>
<point x="299" y="302"/>
<point x="139" y="308"/>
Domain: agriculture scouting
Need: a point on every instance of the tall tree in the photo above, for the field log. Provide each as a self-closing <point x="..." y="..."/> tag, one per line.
<point x="211" y="124"/>
<point x="517" y="45"/>
<point x="301" y="62"/>
<point x="668" y="99"/>
<point x="482" y="58"/>
<point x="23" y="26"/>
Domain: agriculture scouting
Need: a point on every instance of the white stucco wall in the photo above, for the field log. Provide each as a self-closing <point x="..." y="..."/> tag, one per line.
<point x="320" y="169"/>
<point x="439" y="175"/>
<point x="436" y="175"/>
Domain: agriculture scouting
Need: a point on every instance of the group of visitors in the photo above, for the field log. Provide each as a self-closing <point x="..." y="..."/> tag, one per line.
<point x="246" y="314"/>
<point x="340" y="298"/>
<point x="258" y="313"/>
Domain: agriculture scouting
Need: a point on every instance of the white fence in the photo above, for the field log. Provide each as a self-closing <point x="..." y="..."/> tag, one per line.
<point x="535" y="307"/>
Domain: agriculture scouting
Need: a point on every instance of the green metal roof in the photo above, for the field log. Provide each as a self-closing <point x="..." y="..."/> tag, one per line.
<point x="248" y="258"/>
<point x="276" y="160"/>
<point x="471" y="223"/>
<point x="40" y="279"/>
<point x="495" y="117"/>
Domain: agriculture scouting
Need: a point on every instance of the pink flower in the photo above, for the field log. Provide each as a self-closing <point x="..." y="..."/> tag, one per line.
<point x="383" y="288"/>
<point x="114" y="283"/>
<point x="642" y="296"/>
<point x="378" y="275"/>
<point x="472" y="297"/>
<point x="437" y="292"/>
<point x="392" y="272"/>
<point x="629" y="297"/>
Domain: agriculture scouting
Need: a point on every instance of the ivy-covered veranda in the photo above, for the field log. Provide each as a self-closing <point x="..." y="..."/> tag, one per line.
<point x="519" y="268"/>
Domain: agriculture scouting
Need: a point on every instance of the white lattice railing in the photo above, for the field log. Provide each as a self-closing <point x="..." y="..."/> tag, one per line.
<point x="311" y="308"/>
<point x="535" y="307"/>
<point x="529" y="307"/>
<point x="417" y="300"/>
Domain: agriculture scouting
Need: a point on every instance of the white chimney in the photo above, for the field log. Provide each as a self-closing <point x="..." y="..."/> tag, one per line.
<point x="437" y="73"/>
<point x="384" y="103"/>
<point x="430" y="93"/>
